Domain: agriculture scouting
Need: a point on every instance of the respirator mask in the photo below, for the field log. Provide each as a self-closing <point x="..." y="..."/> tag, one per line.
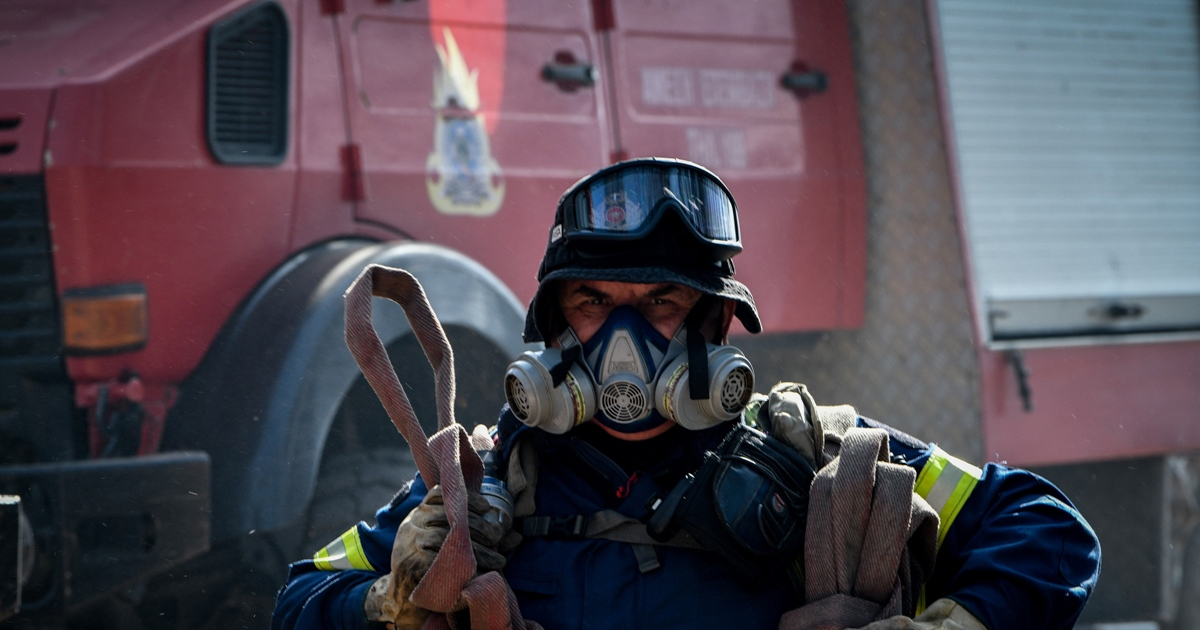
<point x="630" y="378"/>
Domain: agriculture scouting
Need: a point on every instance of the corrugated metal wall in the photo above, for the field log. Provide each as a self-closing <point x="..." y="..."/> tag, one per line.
<point x="913" y="363"/>
<point x="1077" y="127"/>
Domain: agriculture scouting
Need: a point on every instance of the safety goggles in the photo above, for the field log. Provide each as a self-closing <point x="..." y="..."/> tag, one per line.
<point x="627" y="203"/>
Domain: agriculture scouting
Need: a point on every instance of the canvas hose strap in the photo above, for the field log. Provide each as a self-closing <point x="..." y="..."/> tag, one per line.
<point x="871" y="541"/>
<point x="448" y="458"/>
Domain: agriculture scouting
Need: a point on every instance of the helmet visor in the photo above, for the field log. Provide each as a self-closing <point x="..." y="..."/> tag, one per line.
<point x="628" y="203"/>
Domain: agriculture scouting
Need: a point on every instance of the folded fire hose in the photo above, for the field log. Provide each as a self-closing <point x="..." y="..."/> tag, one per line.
<point x="871" y="541"/>
<point x="448" y="458"/>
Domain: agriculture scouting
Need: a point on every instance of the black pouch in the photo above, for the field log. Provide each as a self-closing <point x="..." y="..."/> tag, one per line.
<point x="747" y="502"/>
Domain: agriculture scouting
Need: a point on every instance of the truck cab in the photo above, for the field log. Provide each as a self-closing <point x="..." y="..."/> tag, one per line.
<point x="187" y="188"/>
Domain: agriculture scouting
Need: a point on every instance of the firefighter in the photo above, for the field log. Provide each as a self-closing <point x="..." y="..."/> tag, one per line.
<point x="635" y="299"/>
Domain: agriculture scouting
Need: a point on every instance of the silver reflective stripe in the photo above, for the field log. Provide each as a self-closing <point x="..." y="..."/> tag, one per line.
<point x="940" y="493"/>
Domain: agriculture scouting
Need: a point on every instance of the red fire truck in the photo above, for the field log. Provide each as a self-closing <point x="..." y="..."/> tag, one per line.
<point x="187" y="188"/>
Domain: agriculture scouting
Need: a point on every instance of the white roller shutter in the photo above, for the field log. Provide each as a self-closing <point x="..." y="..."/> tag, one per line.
<point x="1077" y="132"/>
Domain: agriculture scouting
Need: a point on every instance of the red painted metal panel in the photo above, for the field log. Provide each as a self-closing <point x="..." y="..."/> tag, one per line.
<point x="67" y="41"/>
<point x="319" y="132"/>
<point x="23" y="115"/>
<point x="703" y="84"/>
<point x="1093" y="403"/>
<point x="134" y="196"/>
<point x="470" y="148"/>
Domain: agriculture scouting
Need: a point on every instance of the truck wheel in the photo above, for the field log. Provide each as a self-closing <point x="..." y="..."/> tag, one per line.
<point x="350" y="488"/>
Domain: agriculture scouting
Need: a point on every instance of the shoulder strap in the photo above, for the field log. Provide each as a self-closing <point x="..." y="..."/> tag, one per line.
<point x="522" y="478"/>
<point x="609" y="525"/>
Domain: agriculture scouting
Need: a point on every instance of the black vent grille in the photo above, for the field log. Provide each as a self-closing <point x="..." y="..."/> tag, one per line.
<point x="248" y="87"/>
<point x="30" y="340"/>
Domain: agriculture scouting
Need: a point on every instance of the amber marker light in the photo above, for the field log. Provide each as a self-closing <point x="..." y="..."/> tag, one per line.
<point x="103" y="320"/>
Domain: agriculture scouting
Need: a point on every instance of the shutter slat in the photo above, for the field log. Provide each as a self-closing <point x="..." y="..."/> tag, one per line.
<point x="1077" y="130"/>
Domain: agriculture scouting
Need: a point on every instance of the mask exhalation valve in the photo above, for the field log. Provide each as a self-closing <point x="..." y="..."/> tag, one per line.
<point x="625" y="400"/>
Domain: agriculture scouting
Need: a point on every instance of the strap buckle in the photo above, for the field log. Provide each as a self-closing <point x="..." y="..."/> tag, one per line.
<point x="554" y="526"/>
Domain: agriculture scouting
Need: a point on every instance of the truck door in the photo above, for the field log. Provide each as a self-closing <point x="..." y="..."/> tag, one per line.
<point x="705" y="80"/>
<point x="469" y="119"/>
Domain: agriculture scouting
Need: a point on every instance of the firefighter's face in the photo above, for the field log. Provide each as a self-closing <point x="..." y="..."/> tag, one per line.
<point x="586" y="304"/>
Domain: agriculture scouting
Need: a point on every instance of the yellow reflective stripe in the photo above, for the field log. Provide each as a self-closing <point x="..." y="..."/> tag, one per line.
<point x="957" y="500"/>
<point x="930" y="473"/>
<point x="946" y="483"/>
<point x="344" y="553"/>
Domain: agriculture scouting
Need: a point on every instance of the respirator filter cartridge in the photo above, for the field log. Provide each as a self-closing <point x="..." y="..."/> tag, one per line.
<point x="532" y="396"/>
<point x="731" y="383"/>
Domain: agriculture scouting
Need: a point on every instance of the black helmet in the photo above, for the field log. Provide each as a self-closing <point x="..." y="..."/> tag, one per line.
<point x="645" y="220"/>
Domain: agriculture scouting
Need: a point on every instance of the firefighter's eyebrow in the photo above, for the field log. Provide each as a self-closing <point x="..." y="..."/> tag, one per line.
<point x="590" y="292"/>
<point x="666" y="290"/>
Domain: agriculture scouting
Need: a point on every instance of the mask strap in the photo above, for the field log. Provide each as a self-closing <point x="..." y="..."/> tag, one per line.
<point x="569" y="357"/>
<point x="697" y="349"/>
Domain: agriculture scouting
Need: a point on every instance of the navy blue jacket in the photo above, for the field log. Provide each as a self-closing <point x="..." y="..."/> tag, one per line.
<point x="1018" y="554"/>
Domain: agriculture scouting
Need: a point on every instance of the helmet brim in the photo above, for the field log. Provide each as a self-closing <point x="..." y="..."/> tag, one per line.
<point x="537" y="319"/>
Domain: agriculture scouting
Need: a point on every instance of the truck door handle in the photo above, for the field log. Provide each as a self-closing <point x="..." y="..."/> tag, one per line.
<point x="1118" y="311"/>
<point x="803" y="81"/>
<point x="567" y="73"/>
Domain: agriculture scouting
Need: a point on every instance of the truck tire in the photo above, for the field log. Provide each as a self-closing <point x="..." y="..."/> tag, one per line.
<point x="350" y="488"/>
<point x="366" y="461"/>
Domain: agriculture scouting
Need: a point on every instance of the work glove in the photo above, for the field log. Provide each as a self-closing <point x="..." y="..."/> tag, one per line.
<point x="791" y="419"/>
<point x="943" y="614"/>
<point x="418" y="541"/>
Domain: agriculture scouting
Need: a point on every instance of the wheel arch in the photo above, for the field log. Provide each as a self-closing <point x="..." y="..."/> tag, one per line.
<point x="263" y="400"/>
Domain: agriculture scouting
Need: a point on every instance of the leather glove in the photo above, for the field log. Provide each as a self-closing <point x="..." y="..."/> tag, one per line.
<point x="943" y="614"/>
<point x="792" y="420"/>
<point x="418" y="541"/>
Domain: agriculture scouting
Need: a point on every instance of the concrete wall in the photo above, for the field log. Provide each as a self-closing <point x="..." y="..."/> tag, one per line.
<point x="913" y="363"/>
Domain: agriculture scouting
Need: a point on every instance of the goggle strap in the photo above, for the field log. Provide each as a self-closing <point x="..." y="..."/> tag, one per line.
<point x="561" y="257"/>
<point x="697" y="349"/>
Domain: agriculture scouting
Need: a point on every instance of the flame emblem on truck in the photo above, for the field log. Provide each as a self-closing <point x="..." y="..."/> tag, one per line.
<point x="461" y="175"/>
